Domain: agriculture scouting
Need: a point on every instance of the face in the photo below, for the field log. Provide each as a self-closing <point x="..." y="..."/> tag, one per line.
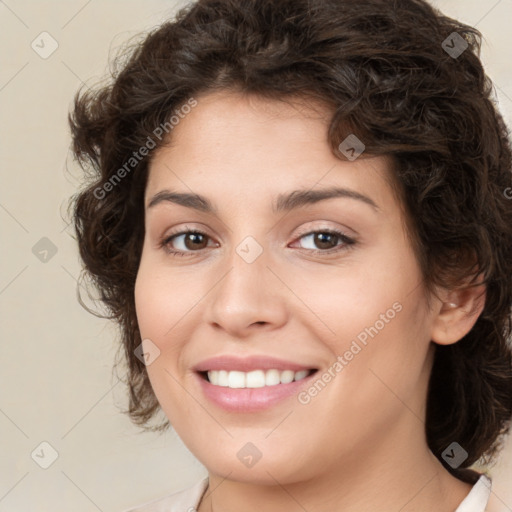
<point x="307" y="310"/>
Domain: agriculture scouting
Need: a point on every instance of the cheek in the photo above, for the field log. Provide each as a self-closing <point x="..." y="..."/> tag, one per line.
<point x="162" y="299"/>
<point x="357" y="302"/>
<point x="386" y="357"/>
<point x="167" y="307"/>
<point x="376" y="318"/>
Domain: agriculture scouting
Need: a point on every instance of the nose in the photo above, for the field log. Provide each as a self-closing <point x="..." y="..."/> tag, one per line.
<point x="248" y="296"/>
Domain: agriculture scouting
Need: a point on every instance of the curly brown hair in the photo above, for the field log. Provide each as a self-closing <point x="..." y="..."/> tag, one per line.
<point x="389" y="77"/>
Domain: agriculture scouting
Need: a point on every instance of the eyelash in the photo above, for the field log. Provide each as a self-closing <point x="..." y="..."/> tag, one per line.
<point x="347" y="242"/>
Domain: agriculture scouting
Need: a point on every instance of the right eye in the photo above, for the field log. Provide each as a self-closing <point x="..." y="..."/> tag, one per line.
<point x="188" y="241"/>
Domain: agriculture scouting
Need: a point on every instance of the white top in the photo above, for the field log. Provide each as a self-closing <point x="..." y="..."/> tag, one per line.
<point x="479" y="499"/>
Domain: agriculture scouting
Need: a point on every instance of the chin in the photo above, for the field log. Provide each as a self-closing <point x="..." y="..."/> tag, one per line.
<point x="265" y="467"/>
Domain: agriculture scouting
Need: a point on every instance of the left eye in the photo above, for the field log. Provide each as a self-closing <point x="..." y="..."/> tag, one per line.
<point x="193" y="241"/>
<point x="326" y="240"/>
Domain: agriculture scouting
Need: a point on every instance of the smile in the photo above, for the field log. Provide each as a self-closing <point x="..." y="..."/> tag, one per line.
<point x="251" y="384"/>
<point x="255" y="378"/>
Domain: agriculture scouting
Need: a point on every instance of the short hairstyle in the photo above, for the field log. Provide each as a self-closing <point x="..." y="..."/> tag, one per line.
<point x="403" y="78"/>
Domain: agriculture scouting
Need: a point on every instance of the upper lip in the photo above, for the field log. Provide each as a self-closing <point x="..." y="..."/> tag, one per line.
<point x="247" y="364"/>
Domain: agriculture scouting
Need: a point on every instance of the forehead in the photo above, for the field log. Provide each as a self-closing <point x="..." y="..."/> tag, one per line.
<point x="255" y="147"/>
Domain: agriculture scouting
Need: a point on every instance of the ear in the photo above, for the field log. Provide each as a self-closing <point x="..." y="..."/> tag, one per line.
<point x="457" y="312"/>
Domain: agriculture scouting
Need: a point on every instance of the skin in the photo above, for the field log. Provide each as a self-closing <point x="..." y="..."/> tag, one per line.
<point x="359" y="445"/>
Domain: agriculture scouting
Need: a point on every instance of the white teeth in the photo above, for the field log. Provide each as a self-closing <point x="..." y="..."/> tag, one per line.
<point x="288" y="376"/>
<point x="255" y="378"/>
<point x="236" y="379"/>
<point x="272" y="378"/>
<point x="301" y="375"/>
<point x="223" y="378"/>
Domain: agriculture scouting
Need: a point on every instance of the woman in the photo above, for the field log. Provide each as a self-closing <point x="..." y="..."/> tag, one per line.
<point x="299" y="218"/>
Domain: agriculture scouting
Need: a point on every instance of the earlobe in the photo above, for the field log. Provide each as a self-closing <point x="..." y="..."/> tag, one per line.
<point x="457" y="314"/>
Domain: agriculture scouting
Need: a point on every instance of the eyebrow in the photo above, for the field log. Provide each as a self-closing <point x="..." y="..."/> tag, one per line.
<point x="283" y="202"/>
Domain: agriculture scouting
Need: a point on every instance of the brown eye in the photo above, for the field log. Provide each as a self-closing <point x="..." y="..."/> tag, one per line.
<point x="195" y="241"/>
<point x="186" y="241"/>
<point x="325" y="240"/>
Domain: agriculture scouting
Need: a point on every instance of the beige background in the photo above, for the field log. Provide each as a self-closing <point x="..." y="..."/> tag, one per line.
<point x="56" y="382"/>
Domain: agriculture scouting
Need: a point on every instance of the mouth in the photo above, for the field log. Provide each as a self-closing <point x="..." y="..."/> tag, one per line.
<point x="254" y="379"/>
<point x="251" y="385"/>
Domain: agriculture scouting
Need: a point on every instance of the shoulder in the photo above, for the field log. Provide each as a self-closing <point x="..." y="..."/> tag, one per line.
<point x="481" y="498"/>
<point x="182" y="501"/>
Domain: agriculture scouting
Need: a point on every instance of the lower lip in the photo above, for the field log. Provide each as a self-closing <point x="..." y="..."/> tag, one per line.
<point x="250" y="399"/>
